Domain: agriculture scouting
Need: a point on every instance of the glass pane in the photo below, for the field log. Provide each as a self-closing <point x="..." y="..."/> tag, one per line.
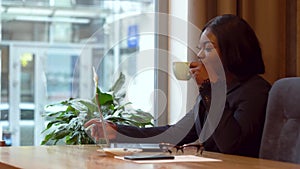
<point x="27" y="128"/>
<point x="4" y="74"/>
<point x="59" y="74"/>
<point x="4" y="90"/>
<point x="27" y="106"/>
<point x="27" y="77"/>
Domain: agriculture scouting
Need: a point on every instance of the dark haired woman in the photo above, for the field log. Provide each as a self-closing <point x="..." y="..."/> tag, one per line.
<point x="240" y="128"/>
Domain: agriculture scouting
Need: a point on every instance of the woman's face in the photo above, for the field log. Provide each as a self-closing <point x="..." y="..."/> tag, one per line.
<point x="209" y="54"/>
<point x="208" y="45"/>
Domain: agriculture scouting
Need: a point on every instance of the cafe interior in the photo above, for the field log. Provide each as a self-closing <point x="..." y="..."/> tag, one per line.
<point x="52" y="50"/>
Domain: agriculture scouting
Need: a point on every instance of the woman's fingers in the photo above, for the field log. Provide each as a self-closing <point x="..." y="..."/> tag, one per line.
<point x="90" y="122"/>
<point x="195" y="64"/>
<point x="96" y="129"/>
<point x="199" y="72"/>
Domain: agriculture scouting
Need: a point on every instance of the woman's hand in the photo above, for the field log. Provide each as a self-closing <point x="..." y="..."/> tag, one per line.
<point x="96" y="129"/>
<point x="199" y="72"/>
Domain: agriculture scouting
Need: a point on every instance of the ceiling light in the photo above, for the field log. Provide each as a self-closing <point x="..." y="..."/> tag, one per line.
<point x="52" y="19"/>
<point x="29" y="11"/>
<point x="76" y="13"/>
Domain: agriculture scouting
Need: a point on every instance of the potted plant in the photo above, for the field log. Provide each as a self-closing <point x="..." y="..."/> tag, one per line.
<point x="66" y="125"/>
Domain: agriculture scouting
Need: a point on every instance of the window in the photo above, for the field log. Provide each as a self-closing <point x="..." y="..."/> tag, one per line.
<point x="50" y="46"/>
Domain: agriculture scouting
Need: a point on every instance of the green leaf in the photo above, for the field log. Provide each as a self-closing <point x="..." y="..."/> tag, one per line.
<point x="104" y="98"/>
<point x="91" y="106"/>
<point x="73" y="139"/>
<point x="118" y="84"/>
<point x="122" y="120"/>
<point x="59" y="134"/>
<point x="50" y="124"/>
<point x="77" y="105"/>
<point x="141" y="116"/>
<point x="51" y="114"/>
<point x="47" y="138"/>
<point x="122" y="107"/>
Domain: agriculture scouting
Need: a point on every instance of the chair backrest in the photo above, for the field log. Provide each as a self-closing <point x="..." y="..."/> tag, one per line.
<point x="281" y="135"/>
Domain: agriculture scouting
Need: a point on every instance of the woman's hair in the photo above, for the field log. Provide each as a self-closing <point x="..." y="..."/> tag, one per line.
<point x="239" y="47"/>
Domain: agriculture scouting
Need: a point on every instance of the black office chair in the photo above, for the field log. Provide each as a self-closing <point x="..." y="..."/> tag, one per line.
<point x="281" y="135"/>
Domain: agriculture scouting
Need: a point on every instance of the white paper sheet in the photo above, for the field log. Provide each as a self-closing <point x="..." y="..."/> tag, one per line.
<point x="179" y="158"/>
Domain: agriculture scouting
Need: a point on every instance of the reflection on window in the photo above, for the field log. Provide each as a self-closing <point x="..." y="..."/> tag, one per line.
<point x="63" y="20"/>
<point x="27" y="77"/>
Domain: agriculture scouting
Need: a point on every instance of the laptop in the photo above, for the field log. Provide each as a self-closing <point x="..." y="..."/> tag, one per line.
<point x="146" y="147"/>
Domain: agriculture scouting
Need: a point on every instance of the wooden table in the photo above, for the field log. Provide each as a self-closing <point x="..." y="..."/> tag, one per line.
<point x="86" y="156"/>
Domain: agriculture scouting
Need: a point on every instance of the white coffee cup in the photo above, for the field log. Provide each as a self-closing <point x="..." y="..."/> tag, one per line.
<point x="182" y="70"/>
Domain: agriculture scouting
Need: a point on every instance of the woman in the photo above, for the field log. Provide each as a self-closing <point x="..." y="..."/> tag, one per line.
<point x="239" y="130"/>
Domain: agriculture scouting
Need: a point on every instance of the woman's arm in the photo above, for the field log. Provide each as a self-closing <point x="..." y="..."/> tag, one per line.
<point x="182" y="132"/>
